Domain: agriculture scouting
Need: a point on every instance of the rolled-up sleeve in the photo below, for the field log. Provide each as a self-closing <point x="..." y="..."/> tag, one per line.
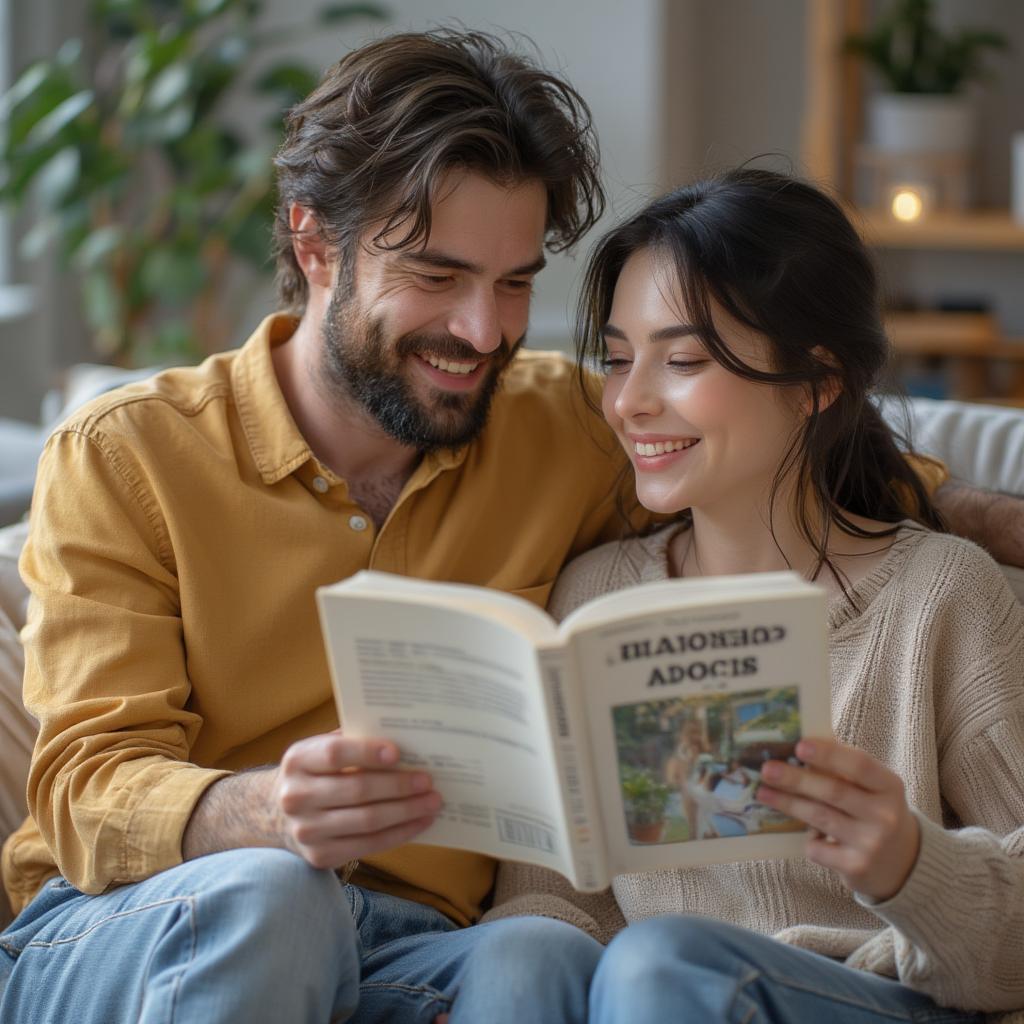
<point x="110" y="787"/>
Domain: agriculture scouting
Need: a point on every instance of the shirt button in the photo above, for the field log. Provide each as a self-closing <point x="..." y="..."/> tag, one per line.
<point x="358" y="523"/>
<point x="321" y="485"/>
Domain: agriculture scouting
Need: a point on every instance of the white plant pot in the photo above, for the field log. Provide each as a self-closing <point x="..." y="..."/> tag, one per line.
<point x="914" y="123"/>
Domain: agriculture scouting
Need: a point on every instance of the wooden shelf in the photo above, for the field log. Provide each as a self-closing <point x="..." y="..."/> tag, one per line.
<point x="968" y="344"/>
<point x="943" y="334"/>
<point x="975" y="231"/>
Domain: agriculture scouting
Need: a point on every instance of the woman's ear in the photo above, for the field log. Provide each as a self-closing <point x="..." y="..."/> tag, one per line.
<point x="309" y="246"/>
<point x="829" y="389"/>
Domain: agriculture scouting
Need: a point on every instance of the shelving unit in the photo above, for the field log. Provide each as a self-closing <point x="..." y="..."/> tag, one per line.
<point x="977" y="231"/>
<point x="980" y="359"/>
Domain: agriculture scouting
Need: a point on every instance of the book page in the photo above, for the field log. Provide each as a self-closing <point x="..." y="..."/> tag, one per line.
<point x="461" y="698"/>
<point x="683" y="708"/>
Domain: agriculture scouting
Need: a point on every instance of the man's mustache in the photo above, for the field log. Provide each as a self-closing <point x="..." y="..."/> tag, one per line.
<point x="447" y="346"/>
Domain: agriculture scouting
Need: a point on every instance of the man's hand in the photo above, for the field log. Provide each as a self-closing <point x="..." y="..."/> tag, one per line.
<point x="864" y="829"/>
<point x="992" y="520"/>
<point x="334" y="799"/>
<point x="341" y="798"/>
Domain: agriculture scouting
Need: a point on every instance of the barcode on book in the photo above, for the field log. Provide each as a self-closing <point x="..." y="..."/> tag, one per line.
<point x="525" y="833"/>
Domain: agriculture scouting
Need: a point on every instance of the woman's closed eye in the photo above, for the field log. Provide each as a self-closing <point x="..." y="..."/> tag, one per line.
<point x="616" y="364"/>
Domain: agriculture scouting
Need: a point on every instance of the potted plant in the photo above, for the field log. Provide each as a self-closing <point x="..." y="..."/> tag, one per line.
<point x="645" y="799"/>
<point x="925" y="70"/>
<point x="152" y="195"/>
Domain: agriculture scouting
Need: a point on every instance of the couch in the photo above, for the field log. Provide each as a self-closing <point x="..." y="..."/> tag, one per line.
<point x="983" y="445"/>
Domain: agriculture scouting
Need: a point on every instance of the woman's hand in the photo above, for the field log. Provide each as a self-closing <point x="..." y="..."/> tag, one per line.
<point x="863" y="828"/>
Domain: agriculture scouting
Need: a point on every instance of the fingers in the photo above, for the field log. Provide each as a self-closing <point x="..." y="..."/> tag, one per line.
<point x="828" y="820"/>
<point x="831" y="757"/>
<point x="300" y="793"/>
<point x="334" y="752"/>
<point x="862" y="826"/>
<point x="365" y="820"/>
<point x="341" y="798"/>
<point x="340" y="851"/>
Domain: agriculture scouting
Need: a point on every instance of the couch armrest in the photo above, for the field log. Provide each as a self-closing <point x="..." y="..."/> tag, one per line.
<point x="982" y="445"/>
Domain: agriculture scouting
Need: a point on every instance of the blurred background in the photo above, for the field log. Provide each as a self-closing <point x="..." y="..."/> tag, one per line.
<point x="136" y="139"/>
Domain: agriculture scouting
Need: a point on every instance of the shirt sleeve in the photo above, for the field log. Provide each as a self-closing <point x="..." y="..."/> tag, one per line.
<point x="930" y="471"/>
<point x="959" y="919"/>
<point x="110" y="787"/>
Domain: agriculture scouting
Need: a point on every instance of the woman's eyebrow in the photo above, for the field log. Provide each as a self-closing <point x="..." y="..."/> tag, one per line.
<point x="661" y="334"/>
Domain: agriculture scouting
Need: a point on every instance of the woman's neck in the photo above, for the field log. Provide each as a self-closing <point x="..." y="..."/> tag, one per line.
<point x="738" y="541"/>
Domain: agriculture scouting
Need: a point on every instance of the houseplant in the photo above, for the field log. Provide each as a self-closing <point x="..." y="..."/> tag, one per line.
<point x="924" y="107"/>
<point x="121" y="146"/>
<point x="645" y="799"/>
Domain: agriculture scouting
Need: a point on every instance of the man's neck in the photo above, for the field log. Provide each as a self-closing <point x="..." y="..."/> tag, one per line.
<point x="339" y="433"/>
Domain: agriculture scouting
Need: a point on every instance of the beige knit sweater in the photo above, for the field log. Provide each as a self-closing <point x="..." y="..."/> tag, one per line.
<point x="928" y="676"/>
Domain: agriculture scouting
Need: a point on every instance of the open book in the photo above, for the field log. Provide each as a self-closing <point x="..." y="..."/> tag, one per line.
<point x="628" y="738"/>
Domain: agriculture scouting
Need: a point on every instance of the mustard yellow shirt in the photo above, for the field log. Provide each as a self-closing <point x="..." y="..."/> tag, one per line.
<point x="179" y="529"/>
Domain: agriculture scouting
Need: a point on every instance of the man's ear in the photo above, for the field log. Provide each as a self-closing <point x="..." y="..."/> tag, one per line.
<point x="309" y="246"/>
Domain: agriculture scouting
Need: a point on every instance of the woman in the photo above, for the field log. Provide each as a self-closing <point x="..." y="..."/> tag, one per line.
<point x="737" y="321"/>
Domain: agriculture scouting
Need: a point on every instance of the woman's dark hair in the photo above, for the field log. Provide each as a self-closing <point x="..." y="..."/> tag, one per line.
<point x="372" y="142"/>
<point x="781" y="257"/>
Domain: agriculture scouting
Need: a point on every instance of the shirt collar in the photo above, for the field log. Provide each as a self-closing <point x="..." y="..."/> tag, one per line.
<point x="275" y="442"/>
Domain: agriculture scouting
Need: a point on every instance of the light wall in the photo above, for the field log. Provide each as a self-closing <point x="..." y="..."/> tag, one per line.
<point x="677" y="88"/>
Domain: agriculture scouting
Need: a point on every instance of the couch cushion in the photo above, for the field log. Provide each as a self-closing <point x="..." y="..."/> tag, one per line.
<point x="17" y="729"/>
<point x="982" y="445"/>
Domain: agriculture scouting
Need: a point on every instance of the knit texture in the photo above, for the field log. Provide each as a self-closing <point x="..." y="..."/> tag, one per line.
<point x="927" y="674"/>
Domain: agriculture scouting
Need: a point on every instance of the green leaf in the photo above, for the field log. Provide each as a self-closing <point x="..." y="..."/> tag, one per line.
<point x="102" y="305"/>
<point x="251" y="238"/>
<point x="167" y="126"/>
<point x="57" y="177"/>
<point x="291" y="82"/>
<point x="30" y="80"/>
<point x="174" y="343"/>
<point x="173" y="274"/>
<point x="69" y="53"/>
<point x="98" y="245"/>
<point x="210" y="8"/>
<point x="335" y="14"/>
<point x="168" y="87"/>
<point x="38" y="238"/>
<point x="60" y="117"/>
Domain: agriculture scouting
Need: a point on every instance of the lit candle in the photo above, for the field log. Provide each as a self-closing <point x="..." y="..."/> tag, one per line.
<point x="910" y="203"/>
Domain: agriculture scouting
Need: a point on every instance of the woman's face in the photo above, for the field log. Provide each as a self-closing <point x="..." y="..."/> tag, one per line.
<point x="698" y="436"/>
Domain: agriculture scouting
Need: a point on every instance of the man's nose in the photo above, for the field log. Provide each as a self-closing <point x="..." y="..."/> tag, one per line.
<point x="476" y="321"/>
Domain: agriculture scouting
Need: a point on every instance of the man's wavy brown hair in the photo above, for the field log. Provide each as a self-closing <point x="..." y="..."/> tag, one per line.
<point x="371" y="144"/>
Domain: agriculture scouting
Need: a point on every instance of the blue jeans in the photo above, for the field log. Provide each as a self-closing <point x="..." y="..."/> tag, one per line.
<point x="258" y="936"/>
<point x="689" y="970"/>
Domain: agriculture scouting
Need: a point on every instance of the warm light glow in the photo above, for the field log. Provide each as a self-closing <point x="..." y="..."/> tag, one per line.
<point x="907" y="204"/>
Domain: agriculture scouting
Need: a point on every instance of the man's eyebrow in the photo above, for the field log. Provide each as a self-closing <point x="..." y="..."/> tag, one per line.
<point x="661" y="334"/>
<point x="444" y="261"/>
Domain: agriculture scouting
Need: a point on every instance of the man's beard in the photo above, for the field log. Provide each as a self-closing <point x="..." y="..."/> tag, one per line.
<point x="360" y="365"/>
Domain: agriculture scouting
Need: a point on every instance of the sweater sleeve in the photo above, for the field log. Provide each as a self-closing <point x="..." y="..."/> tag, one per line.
<point x="959" y="918"/>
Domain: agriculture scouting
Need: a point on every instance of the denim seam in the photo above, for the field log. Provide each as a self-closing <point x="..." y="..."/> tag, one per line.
<point x="191" y="957"/>
<point x="788" y="982"/>
<point x="746" y="980"/>
<point x="111" y="917"/>
<point x="415" y="990"/>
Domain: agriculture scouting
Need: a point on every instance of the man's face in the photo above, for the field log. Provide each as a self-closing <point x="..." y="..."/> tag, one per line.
<point x="420" y="339"/>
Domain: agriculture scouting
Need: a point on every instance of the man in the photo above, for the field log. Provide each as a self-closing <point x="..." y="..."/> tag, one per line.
<point x="191" y="796"/>
<point x="180" y="529"/>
